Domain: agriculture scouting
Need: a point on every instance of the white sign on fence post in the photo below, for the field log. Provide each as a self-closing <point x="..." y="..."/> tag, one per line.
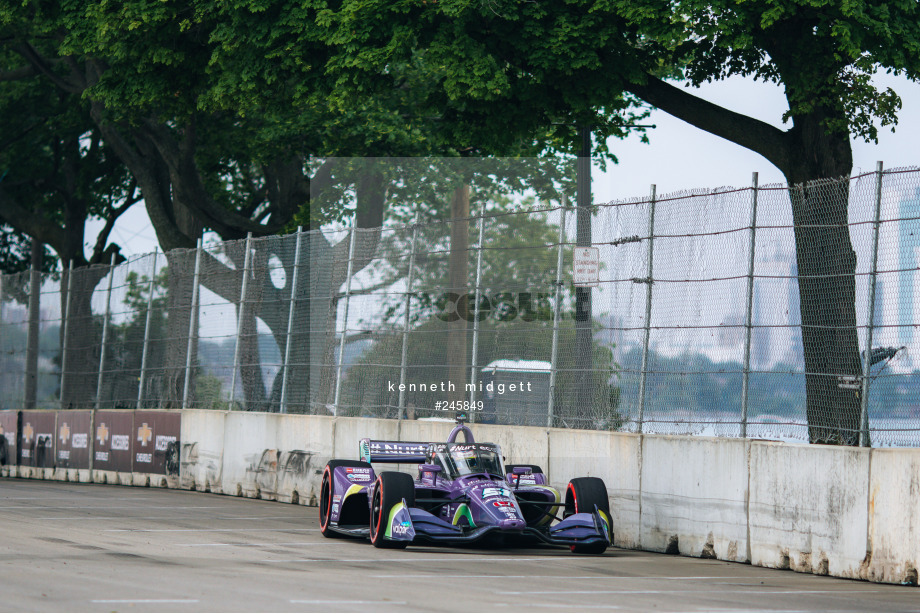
<point x="585" y="265"/>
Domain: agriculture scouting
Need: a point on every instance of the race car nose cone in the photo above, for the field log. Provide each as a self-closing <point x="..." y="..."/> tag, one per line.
<point x="512" y="524"/>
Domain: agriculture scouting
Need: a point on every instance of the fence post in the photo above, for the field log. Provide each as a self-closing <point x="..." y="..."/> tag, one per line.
<point x="192" y="327"/>
<point x="152" y="285"/>
<point x="405" y="336"/>
<point x="239" y="320"/>
<point x="648" y="308"/>
<point x="290" y="325"/>
<point x="557" y="311"/>
<point x="477" y="296"/>
<point x="338" y="375"/>
<point x="867" y="361"/>
<point x="105" y="330"/>
<point x="66" y="329"/>
<point x="750" y="310"/>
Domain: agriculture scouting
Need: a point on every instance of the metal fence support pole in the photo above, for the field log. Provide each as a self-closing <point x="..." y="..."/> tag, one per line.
<point x="403" y="365"/>
<point x="239" y="320"/>
<point x="105" y="330"/>
<point x="152" y="286"/>
<point x="338" y="374"/>
<point x="648" y="308"/>
<point x="290" y="325"/>
<point x="867" y="361"/>
<point x="66" y="330"/>
<point x="557" y="312"/>
<point x="750" y="310"/>
<point x="477" y="296"/>
<point x="192" y="327"/>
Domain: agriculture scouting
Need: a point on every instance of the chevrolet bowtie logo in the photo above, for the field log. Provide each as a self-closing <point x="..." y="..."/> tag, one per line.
<point x="27" y="432"/>
<point x="144" y="434"/>
<point x="64" y="433"/>
<point x="102" y="433"/>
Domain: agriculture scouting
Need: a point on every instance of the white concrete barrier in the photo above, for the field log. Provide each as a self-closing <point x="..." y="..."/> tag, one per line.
<point x="202" y="450"/>
<point x="809" y="508"/>
<point x="693" y="496"/>
<point x="894" y="516"/>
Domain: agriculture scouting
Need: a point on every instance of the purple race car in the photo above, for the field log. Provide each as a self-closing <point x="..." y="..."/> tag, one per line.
<point x="461" y="495"/>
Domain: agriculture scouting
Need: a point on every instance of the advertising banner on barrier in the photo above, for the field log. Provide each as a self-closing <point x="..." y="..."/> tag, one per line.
<point x="8" y="436"/>
<point x="156" y="437"/>
<point x="37" y="438"/>
<point x="113" y="432"/>
<point x="73" y="438"/>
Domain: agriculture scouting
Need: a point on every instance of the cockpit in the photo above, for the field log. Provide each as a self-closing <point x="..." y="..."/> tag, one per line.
<point x="459" y="459"/>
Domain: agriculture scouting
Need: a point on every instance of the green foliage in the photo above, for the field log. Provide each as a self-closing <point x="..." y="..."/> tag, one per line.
<point x="824" y="54"/>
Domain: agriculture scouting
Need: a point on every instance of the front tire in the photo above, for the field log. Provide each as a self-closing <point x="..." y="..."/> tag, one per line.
<point x="582" y="496"/>
<point x="326" y="494"/>
<point x="391" y="488"/>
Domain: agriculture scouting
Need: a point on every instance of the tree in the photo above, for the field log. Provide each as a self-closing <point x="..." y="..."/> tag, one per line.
<point x="217" y="110"/>
<point x="579" y="58"/>
<point x="57" y="175"/>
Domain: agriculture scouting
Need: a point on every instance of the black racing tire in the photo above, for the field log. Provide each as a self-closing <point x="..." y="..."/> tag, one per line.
<point x="582" y="495"/>
<point x="533" y="468"/>
<point x="391" y="488"/>
<point x="326" y="494"/>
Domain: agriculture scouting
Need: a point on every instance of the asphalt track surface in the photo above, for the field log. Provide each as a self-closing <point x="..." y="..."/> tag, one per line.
<point x="95" y="548"/>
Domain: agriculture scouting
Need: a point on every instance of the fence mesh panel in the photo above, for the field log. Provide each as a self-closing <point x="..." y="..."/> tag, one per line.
<point x="698" y="321"/>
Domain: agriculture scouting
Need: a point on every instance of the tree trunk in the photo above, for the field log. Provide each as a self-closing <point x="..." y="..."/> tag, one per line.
<point x="35" y="292"/>
<point x="827" y="290"/>
<point x="83" y="336"/>
<point x="458" y="283"/>
<point x="179" y="311"/>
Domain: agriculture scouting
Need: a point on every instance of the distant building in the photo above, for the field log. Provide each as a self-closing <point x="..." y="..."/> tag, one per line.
<point x="908" y="247"/>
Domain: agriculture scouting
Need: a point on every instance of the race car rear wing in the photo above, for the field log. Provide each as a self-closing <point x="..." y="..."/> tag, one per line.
<point x="376" y="451"/>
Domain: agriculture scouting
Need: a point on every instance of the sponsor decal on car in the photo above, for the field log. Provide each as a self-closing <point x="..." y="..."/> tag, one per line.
<point x="503" y="503"/>
<point x="524" y="479"/>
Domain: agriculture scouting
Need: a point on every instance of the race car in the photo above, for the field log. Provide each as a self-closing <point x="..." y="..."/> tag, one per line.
<point x="461" y="495"/>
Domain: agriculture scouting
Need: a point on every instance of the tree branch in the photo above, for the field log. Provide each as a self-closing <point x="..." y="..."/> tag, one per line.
<point x="43" y="66"/>
<point x="18" y="73"/>
<point x="750" y="133"/>
<point x="27" y="221"/>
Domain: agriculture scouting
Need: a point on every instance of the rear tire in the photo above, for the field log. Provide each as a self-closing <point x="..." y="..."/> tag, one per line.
<point x="326" y="494"/>
<point x="582" y="496"/>
<point x="391" y="488"/>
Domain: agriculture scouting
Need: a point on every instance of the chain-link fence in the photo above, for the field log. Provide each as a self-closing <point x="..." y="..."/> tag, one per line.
<point x="731" y="312"/>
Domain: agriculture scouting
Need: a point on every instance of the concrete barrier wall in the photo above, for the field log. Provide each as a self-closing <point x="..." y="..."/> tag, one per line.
<point x="839" y="511"/>
<point x="812" y="502"/>
<point x="693" y="496"/>
<point x="894" y="515"/>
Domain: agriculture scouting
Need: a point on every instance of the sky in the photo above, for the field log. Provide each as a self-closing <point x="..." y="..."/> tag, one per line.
<point x="679" y="157"/>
